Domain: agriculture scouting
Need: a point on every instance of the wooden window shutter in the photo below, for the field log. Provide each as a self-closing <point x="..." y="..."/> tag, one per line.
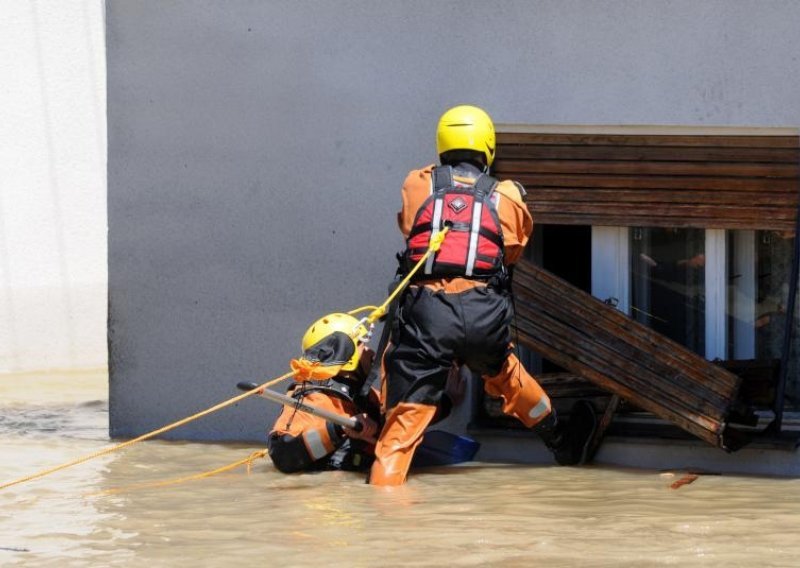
<point x="718" y="178"/>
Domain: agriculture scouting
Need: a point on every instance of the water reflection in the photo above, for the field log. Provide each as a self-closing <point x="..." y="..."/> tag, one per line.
<point x="476" y="515"/>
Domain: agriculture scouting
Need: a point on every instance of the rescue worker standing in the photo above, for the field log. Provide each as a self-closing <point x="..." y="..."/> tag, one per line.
<point x="302" y="442"/>
<point x="458" y="309"/>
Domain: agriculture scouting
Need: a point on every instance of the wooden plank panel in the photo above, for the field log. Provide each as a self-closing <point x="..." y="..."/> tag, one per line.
<point x="701" y="410"/>
<point x="550" y="344"/>
<point x="597" y="342"/>
<point x="614" y="331"/>
<point x="586" y="308"/>
<point x="748" y="180"/>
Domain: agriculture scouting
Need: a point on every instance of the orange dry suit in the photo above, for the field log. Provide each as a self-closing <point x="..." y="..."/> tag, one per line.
<point x="457" y="311"/>
<point x="301" y="442"/>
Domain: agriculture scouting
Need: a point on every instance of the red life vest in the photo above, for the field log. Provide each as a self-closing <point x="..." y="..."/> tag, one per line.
<point x="474" y="245"/>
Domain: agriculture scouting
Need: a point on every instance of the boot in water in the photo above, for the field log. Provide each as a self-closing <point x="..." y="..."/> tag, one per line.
<point x="570" y="442"/>
<point x="578" y="434"/>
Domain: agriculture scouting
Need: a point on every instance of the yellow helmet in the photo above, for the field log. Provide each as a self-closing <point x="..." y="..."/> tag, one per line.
<point x="466" y="127"/>
<point x="327" y="325"/>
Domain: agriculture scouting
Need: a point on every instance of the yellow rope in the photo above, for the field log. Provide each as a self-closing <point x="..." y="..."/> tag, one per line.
<point x="153" y="484"/>
<point x="361" y="309"/>
<point x="146" y="436"/>
<point x="436" y="243"/>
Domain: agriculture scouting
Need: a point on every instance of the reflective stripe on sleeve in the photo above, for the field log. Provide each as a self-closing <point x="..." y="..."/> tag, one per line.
<point x="543" y="407"/>
<point x="315" y="445"/>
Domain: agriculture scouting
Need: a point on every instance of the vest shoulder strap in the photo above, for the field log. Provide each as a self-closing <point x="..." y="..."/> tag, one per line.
<point x="442" y="178"/>
<point x="485" y="184"/>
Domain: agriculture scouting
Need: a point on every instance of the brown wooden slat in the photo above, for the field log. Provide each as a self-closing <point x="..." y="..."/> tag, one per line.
<point x="569" y="385"/>
<point x="665" y="210"/>
<point x="648" y="153"/>
<point x="590" y="167"/>
<point x="592" y="347"/>
<point x="670" y="222"/>
<point x="533" y="181"/>
<point x="541" y="195"/>
<point x="664" y="215"/>
<point x="648" y="140"/>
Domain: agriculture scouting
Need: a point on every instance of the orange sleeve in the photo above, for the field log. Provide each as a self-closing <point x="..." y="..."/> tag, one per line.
<point x="515" y="220"/>
<point x="298" y="423"/>
<point x="416" y="190"/>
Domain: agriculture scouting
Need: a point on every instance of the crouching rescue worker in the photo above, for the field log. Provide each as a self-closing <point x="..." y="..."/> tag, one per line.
<point x="458" y="309"/>
<point x="335" y="364"/>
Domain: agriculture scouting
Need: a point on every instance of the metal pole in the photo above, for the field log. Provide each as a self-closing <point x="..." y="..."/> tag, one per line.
<point x="780" y="390"/>
<point x="338" y="419"/>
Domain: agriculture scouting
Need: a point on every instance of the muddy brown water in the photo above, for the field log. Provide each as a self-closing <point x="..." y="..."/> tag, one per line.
<point x="472" y="515"/>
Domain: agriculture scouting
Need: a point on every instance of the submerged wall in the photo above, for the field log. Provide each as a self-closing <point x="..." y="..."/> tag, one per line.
<point x="256" y="150"/>
<point x="53" y="275"/>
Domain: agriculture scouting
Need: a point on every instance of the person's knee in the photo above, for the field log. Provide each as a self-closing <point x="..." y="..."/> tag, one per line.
<point x="491" y="362"/>
<point x="288" y="453"/>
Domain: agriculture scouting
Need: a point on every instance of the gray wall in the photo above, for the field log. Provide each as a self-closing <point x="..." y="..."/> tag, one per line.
<point x="256" y="149"/>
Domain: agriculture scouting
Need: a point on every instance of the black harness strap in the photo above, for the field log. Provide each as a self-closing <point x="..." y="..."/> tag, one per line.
<point x="493" y="237"/>
<point x="330" y="387"/>
<point x="442" y="178"/>
<point x="485" y="185"/>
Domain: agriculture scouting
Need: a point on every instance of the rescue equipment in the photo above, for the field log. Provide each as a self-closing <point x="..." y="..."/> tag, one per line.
<point x="330" y="346"/>
<point x="345" y="324"/>
<point x="466" y="127"/>
<point x="475" y="245"/>
<point x="338" y="419"/>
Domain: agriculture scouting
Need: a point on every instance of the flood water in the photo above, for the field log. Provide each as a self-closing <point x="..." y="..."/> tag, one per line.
<point x="475" y="515"/>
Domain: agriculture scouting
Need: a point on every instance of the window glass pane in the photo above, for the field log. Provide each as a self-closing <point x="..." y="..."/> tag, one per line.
<point x="668" y="283"/>
<point x="759" y="267"/>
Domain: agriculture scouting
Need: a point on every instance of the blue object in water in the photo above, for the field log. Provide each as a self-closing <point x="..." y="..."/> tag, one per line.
<point x="443" y="448"/>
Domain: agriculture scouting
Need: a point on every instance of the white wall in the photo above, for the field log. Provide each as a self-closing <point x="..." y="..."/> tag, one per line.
<point x="53" y="269"/>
